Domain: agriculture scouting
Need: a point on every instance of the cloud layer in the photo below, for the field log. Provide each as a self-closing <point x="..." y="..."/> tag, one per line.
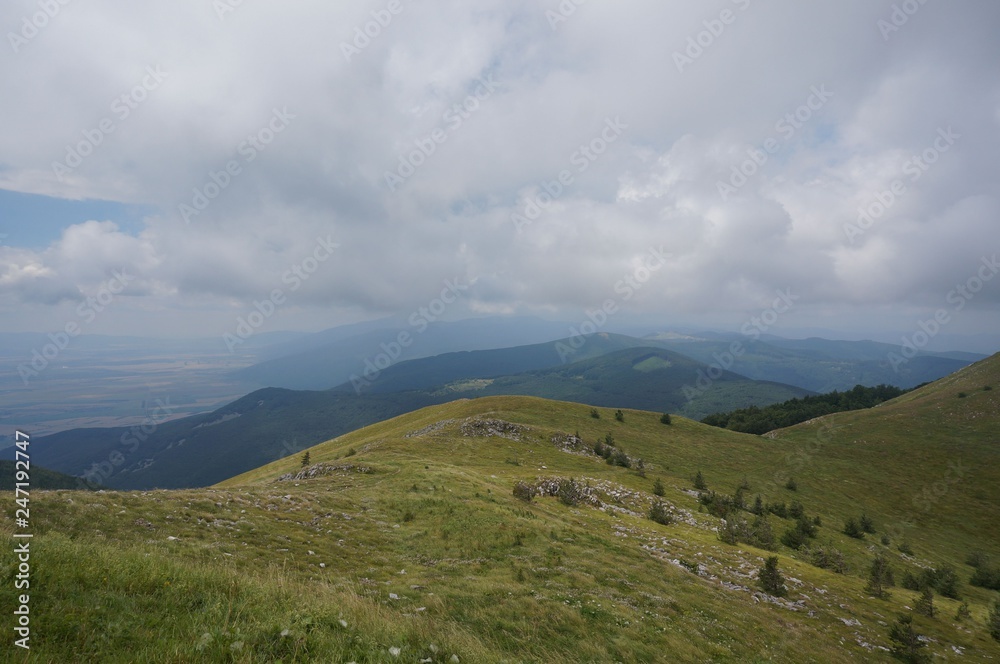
<point x="538" y="151"/>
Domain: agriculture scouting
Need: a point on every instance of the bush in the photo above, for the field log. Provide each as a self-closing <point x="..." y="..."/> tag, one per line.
<point x="658" y="489"/>
<point x="925" y="603"/>
<point x="904" y="547"/>
<point x="658" y="513"/>
<point x="791" y="485"/>
<point x="963" y="612"/>
<point x="852" y="529"/>
<point x="305" y="459"/>
<point x="993" y="621"/>
<point x="977" y="559"/>
<point x="962" y="395"/>
<point x="778" y="509"/>
<point x="828" y="558"/>
<point x="665" y="419"/>
<point x="986" y="577"/>
<point x="524" y="491"/>
<point x="906" y="643"/>
<point x="620" y="416"/>
<point x="593" y="413"/>
<point x="569" y="492"/>
<point x="770" y="578"/>
<point x="879" y="577"/>
<point x="793" y="538"/>
<point x="796" y="510"/>
<point x="761" y="535"/>
<point x="758" y="506"/>
<point x="351" y="452"/>
<point x="699" y="482"/>
<point x="866" y="523"/>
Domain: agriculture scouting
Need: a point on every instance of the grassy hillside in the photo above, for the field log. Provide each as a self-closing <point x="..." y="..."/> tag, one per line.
<point x="403" y="542"/>
<point x="271" y="423"/>
<point x="41" y="478"/>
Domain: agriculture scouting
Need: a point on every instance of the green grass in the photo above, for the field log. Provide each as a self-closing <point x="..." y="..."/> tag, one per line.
<point x="431" y="548"/>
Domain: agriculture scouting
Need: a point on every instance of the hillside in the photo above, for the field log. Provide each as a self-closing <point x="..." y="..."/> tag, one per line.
<point x="271" y="423"/>
<point x="641" y="378"/>
<point x="403" y="542"/>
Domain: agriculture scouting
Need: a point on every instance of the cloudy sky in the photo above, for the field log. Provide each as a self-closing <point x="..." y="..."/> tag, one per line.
<point x="350" y="158"/>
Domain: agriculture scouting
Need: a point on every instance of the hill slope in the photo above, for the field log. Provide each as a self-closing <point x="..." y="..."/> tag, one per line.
<point x="403" y="542"/>
<point x="272" y="423"/>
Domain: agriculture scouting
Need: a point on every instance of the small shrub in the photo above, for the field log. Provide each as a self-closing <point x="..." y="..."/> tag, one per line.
<point x="569" y="492"/>
<point x="609" y="440"/>
<point x="904" y="547"/>
<point x="699" y="482"/>
<point x="305" y="459"/>
<point x="665" y="419"/>
<point x="593" y="413"/>
<point x="962" y="395"/>
<point x="925" y="603"/>
<point x="778" y="509"/>
<point x="745" y="484"/>
<point x="885" y="540"/>
<point x="761" y="535"/>
<point x="977" y="559"/>
<point x="963" y="612"/>
<point x="866" y="524"/>
<point x="791" y="485"/>
<point x="852" y="529"/>
<point x="793" y="538"/>
<point x="619" y="415"/>
<point x="408" y="516"/>
<point x="796" y="510"/>
<point x="993" y="621"/>
<point x="906" y="643"/>
<point x="988" y="388"/>
<point x="828" y="558"/>
<point x="351" y="452"/>
<point x="758" y="506"/>
<point x="658" y="513"/>
<point x="524" y="491"/>
<point x="658" y="489"/>
<point x="770" y="578"/>
<point x="879" y="577"/>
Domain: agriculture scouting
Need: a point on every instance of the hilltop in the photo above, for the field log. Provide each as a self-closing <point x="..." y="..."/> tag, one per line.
<point x="404" y="541"/>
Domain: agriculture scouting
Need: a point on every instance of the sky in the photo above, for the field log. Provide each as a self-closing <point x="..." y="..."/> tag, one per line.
<point x="184" y="164"/>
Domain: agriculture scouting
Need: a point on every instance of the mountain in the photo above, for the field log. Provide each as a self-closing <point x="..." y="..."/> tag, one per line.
<point x="404" y="541"/>
<point x="819" y="365"/>
<point x="319" y="363"/>
<point x="271" y="423"/>
<point x="644" y="378"/>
